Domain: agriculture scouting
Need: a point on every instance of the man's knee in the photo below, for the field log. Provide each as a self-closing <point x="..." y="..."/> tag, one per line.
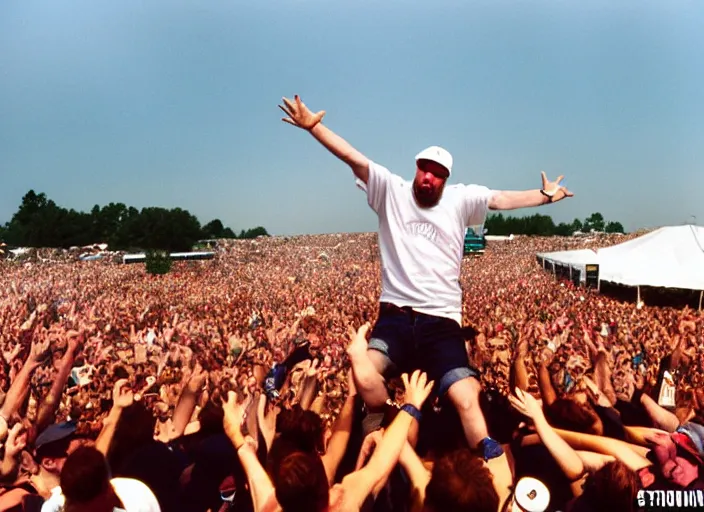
<point x="379" y="358"/>
<point x="464" y="394"/>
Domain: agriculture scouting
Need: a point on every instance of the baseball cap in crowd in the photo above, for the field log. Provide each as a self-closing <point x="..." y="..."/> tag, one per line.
<point x="687" y="448"/>
<point x="54" y="433"/>
<point x="438" y="155"/>
<point x="530" y="495"/>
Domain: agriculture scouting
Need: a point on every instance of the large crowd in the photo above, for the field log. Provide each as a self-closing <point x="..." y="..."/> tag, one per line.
<point x="227" y="385"/>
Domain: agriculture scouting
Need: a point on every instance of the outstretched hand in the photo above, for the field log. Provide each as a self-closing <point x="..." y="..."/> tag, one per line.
<point x="526" y="404"/>
<point x="299" y="115"/>
<point x="553" y="189"/>
<point x="417" y="388"/>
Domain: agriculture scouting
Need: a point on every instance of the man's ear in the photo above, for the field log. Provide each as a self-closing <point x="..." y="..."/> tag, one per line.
<point x="49" y="464"/>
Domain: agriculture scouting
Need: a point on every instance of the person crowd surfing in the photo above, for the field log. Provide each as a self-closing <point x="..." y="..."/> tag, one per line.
<point x="421" y="233"/>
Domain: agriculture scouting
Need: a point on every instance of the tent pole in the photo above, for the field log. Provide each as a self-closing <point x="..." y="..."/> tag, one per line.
<point x="701" y="294"/>
<point x="638" y="288"/>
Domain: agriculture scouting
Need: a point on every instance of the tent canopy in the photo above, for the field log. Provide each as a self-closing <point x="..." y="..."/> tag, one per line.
<point x="580" y="257"/>
<point x="669" y="257"/>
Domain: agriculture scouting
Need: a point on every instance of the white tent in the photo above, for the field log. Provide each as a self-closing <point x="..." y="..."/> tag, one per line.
<point x="669" y="257"/>
<point x="577" y="259"/>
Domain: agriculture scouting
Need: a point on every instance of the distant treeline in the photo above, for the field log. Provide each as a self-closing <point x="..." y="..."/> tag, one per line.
<point x="40" y="222"/>
<point x="543" y="225"/>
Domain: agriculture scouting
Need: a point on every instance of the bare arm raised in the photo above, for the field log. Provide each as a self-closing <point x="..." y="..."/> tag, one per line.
<point x="551" y="192"/>
<point x="297" y="114"/>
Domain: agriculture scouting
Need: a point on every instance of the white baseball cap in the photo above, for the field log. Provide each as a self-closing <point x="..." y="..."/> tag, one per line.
<point x="438" y="155"/>
<point x="530" y="495"/>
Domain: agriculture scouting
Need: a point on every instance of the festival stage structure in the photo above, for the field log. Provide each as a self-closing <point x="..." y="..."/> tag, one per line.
<point x="669" y="257"/>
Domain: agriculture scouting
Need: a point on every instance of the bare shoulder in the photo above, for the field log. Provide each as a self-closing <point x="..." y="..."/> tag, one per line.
<point x="340" y="500"/>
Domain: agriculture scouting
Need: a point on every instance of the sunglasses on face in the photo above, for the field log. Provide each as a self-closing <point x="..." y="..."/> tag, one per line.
<point x="433" y="168"/>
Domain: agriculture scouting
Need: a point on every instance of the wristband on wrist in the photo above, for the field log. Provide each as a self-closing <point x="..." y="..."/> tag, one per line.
<point x="413" y="411"/>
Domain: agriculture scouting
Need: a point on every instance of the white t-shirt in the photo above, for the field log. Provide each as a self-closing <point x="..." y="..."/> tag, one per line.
<point x="422" y="248"/>
<point x="135" y="496"/>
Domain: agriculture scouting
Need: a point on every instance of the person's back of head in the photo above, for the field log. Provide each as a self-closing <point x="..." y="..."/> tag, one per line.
<point x="460" y="481"/>
<point x="304" y="428"/>
<point x="85" y="479"/>
<point x="567" y="414"/>
<point x="301" y="483"/>
<point x="210" y="418"/>
<point x="614" y="486"/>
<point x="134" y="429"/>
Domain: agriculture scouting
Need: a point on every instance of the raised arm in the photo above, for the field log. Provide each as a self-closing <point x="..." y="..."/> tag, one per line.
<point x="19" y="389"/>
<point x="47" y="410"/>
<point x="360" y="484"/>
<point x="551" y="192"/>
<point x="297" y="114"/>
<point x="568" y="460"/>
<point x="122" y="396"/>
<point x="187" y="401"/>
<point x="340" y="434"/>
<point x="260" y="485"/>
<point x="417" y="473"/>
<point x="607" y="446"/>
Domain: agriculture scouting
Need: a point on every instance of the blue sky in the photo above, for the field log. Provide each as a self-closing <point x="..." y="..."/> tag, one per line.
<point x="174" y="103"/>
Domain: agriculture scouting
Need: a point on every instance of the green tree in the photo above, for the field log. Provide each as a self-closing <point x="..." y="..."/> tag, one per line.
<point x="253" y="233"/>
<point x="213" y="229"/>
<point x="576" y="225"/>
<point x="497" y="224"/>
<point x="615" y="227"/>
<point x="563" y="229"/>
<point x="106" y="223"/>
<point x="157" y="262"/>
<point x="39" y="222"/>
<point x="594" y="222"/>
<point x="21" y="228"/>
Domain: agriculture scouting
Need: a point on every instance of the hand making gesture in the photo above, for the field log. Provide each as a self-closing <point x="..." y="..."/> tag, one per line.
<point x="553" y="190"/>
<point x="299" y="115"/>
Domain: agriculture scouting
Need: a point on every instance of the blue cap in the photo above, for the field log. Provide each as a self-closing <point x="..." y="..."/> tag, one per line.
<point x="54" y="433"/>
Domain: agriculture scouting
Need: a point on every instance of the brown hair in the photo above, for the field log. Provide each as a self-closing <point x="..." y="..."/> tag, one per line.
<point x="304" y="428"/>
<point x="614" y="484"/>
<point x="460" y="481"/>
<point x="86" y="477"/>
<point x="567" y="414"/>
<point x="301" y="483"/>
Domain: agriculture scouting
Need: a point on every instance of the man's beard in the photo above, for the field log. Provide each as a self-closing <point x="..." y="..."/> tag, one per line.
<point x="426" y="197"/>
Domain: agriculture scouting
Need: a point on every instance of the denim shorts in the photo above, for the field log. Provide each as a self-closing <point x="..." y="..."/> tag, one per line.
<point x="416" y="341"/>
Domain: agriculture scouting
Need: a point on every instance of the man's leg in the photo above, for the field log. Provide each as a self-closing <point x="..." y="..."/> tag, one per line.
<point x="444" y="355"/>
<point x="368" y="366"/>
<point x="464" y="395"/>
<point x="377" y="394"/>
<point x="372" y="361"/>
